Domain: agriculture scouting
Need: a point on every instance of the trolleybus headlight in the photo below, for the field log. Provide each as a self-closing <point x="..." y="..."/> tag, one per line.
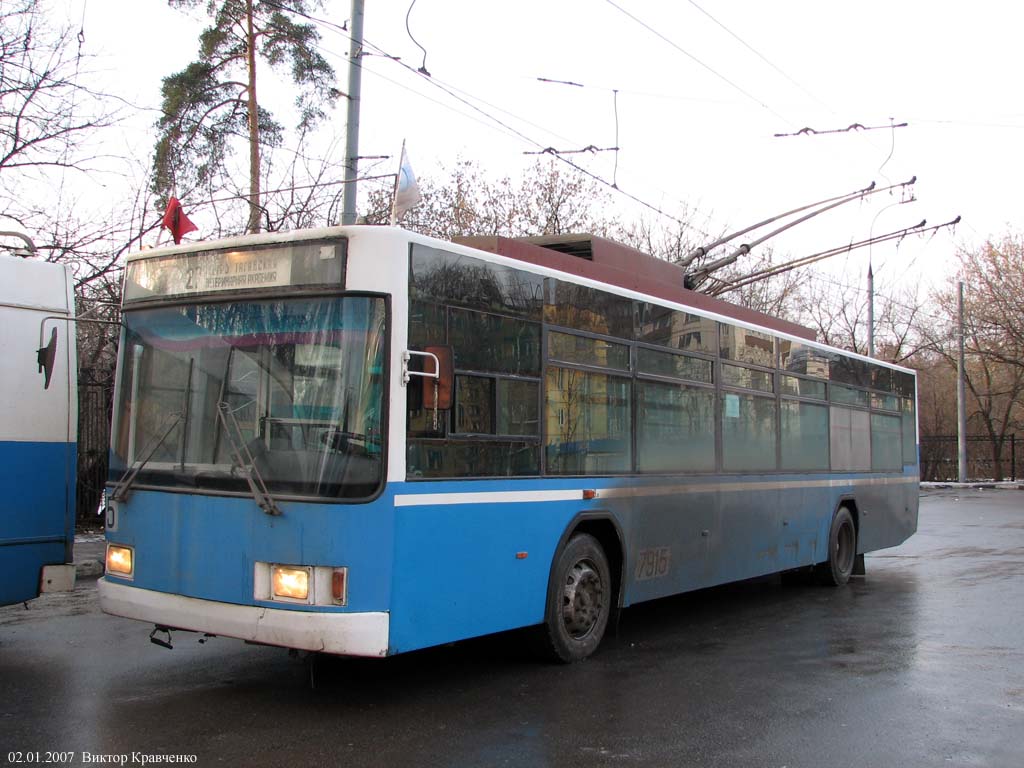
<point x="120" y="560"/>
<point x="290" y="582"/>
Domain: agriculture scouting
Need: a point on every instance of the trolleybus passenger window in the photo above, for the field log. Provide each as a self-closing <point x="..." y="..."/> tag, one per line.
<point x="903" y="384"/>
<point x="487" y="313"/>
<point x="803" y="359"/>
<point x="886" y="438"/>
<point x="748" y="378"/>
<point x="517" y="409"/>
<point x="486" y="342"/>
<point x="743" y="345"/>
<point x="588" y="423"/>
<point x="798" y="387"/>
<point x="850" y="396"/>
<point x="881" y="402"/>
<point x="426" y="324"/>
<point x="881" y="378"/>
<point x="672" y="365"/>
<point x="584" y="350"/>
<point x="909" y="430"/>
<point x="849" y="438"/>
<point x="849" y="370"/>
<point x="587" y="309"/>
<point x="675" y="429"/>
<point x="671" y="328"/>
<point x="474" y="405"/>
<point x="473" y="283"/>
<point x="804" y="435"/>
<point x="748" y="432"/>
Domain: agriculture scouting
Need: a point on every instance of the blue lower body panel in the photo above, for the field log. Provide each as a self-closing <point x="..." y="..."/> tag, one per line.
<point x="446" y="560"/>
<point x="23" y="566"/>
<point x="37" y="524"/>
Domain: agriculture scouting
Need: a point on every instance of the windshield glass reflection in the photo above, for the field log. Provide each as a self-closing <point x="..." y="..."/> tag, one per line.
<point x="301" y="377"/>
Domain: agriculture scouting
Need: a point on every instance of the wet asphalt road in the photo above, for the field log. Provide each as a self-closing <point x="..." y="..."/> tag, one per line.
<point x="919" y="664"/>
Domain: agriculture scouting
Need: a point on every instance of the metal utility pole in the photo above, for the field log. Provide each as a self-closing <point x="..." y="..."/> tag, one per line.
<point x="871" y="311"/>
<point x="961" y="392"/>
<point x="355" y="79"/>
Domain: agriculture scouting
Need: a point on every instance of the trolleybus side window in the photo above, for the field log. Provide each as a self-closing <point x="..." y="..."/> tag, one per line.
<point x="798" y="386"/>
<point x="587" y="415"/>
<point x="803" y="435"/>
<point x="489" y="315"/>
<point x="631" y="386"/>
<point x="849" y="438"/>
<point x="587" y="309"/>
<point x="675" y="427"/>
<point x="673" y="328"/>
<point x="671" y="365"/>
<point x="886" y="434"/>
<point x="748" y="432"/>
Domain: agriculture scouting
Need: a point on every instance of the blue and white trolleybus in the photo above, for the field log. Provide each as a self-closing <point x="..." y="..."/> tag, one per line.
<point x="362" y="441"/>
<point x="38" y="428"/>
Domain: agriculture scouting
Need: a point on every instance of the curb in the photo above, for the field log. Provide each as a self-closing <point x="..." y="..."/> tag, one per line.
<point x="87" y="569"/>
<point x="980" y="486"/>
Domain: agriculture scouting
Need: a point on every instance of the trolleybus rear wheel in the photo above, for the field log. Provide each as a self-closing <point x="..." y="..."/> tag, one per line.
<point x="842" y="550"/>
<point x="579" y="601"/>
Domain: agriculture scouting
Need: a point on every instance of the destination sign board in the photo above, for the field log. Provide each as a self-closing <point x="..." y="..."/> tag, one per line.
<point x="234" y="270"/>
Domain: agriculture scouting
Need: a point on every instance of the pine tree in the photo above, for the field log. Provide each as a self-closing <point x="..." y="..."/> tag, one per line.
<point x="213" y="100"/>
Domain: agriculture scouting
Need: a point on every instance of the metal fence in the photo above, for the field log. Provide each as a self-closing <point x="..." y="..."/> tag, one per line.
<point x="939" y="460"/>
<point x="94" y="404"/>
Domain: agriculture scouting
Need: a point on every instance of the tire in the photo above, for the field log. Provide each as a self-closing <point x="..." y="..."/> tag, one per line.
<point x="578" y="603"/>
<point x="842" y="550"/>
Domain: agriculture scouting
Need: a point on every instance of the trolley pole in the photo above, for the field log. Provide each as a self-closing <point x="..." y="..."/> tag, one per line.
<point x="355" y="80"/>
<point x="961" y="391"/>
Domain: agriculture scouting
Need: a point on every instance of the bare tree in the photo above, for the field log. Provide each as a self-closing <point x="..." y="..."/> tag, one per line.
<point x="50" y="120"/>
<point x="778" y="295"/>
<point x="548" y="200"/>
<point x="993" y="276"/>
<point x="48" y="117"/>
<point x="993" y="340"/>
<point x="671" y="242"/>
<point x="838" y="312"/>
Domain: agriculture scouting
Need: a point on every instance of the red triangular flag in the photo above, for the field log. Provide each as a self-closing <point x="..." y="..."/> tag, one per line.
<point x="176" y="220"/>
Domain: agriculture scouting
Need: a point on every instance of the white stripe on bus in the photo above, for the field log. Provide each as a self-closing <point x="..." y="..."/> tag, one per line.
<point x="488" y="497"/>
<point x="512" y="497"/>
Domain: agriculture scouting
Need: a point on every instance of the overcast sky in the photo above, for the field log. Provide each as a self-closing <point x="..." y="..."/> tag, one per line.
<point x="702" y="89"/>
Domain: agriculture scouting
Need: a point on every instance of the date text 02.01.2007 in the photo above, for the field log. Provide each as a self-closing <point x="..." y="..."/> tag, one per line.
<point x="40" y="758"/>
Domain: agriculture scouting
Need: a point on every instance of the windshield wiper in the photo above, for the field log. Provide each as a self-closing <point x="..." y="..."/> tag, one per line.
<point x="244" y="460"/>
<point x="128" y="478"/>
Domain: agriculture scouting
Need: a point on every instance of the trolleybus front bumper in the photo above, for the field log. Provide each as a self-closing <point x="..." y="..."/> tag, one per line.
<point x="348" y="634"/>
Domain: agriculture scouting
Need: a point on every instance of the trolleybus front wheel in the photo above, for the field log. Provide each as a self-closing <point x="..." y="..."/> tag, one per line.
<point x="579" y="601"/>
<point x="842" y="550"/>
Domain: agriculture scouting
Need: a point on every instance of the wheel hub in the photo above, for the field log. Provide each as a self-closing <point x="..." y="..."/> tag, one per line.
<point x="582" y="599"/>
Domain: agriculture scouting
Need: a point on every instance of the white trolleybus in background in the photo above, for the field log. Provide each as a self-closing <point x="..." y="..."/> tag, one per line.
<point x="38" y="428"/>
<point x="362" y="441"/>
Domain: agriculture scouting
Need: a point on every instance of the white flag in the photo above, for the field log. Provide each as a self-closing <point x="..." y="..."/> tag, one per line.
<point x="407" y="191"/>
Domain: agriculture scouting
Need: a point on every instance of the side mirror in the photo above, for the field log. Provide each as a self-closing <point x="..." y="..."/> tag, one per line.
<point x="445" y="381"/>
<point x="46" y="356"/>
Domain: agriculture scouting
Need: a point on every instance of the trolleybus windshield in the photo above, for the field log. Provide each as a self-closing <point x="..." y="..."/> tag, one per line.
<point x="299" y="378"/>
